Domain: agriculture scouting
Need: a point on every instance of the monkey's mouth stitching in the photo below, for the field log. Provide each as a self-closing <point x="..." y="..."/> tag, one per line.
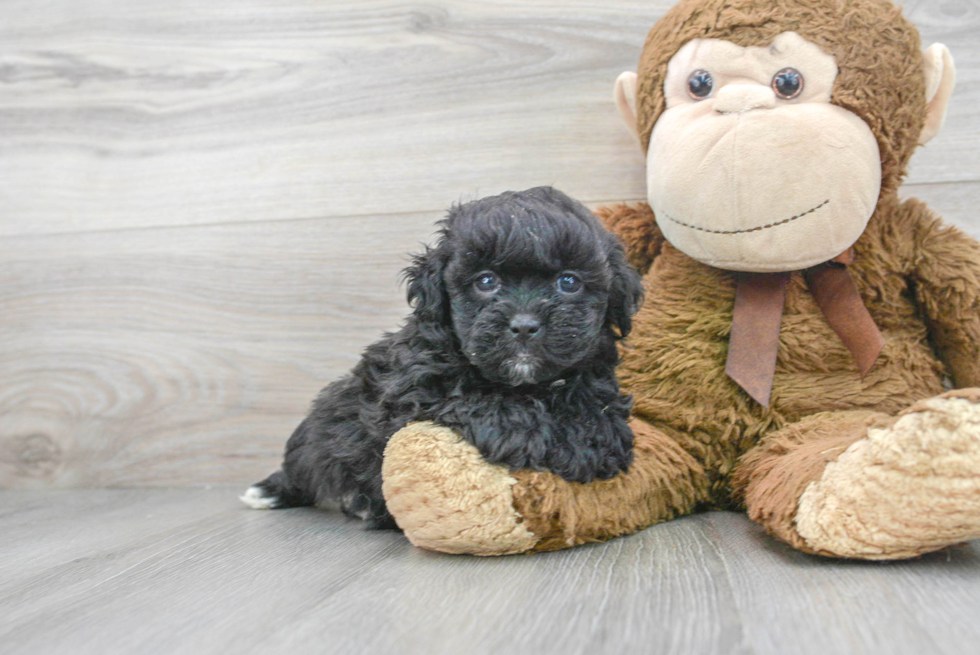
<point x="751" y="229"/>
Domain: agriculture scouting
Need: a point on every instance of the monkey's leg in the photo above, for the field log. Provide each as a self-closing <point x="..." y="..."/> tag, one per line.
<point x="447" y="498"/>
<point x="864" y="485"/>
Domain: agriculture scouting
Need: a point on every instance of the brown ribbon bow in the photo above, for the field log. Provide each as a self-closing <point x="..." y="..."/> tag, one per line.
<point x="758" y="313"/>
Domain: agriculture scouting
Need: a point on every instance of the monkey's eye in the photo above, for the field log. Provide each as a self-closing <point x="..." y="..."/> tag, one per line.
<point x="487" y="282"/>
<point x="787" y="83"/>
<point x="699" y="84"/>
<point x="569" y="283"/>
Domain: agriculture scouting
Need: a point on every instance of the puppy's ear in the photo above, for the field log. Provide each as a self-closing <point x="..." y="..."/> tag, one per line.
<point x="626" y="290"/>
<point x="426" y="287"/>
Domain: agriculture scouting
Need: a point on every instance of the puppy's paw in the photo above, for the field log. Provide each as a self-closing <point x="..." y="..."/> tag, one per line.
<point x="446" y="497"/>
<point x="257" y="497"/>
<point x="901" y="491"/>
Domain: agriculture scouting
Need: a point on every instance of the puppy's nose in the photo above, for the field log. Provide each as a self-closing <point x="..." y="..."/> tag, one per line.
<point x="524" y="326"/>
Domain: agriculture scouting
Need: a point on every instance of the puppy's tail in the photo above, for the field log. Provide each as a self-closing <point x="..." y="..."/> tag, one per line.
<point x="274" y="492"/>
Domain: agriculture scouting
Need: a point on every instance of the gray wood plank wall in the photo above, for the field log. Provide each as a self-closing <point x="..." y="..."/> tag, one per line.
<point x="204" y="206"/>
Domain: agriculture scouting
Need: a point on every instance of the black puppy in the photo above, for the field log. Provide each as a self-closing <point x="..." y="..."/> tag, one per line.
<point x="512" y="343"/>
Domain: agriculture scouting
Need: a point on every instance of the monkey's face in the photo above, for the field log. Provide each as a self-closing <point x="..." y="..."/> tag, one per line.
<point x="750" y="167"/>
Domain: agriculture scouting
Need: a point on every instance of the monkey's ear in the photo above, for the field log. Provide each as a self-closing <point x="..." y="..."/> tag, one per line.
<point x="625" y="96"/>
<point x="940" y="78"/>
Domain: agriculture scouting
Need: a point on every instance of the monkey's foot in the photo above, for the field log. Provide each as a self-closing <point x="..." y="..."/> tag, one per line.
<point x="447" y="498"/>
<point x="902" y="491"/>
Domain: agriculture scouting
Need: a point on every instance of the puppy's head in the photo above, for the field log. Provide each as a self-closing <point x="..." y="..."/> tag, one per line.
<point x="529" y="283"/>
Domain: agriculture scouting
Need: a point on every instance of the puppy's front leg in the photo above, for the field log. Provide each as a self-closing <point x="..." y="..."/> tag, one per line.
<point x="577" y="430"/>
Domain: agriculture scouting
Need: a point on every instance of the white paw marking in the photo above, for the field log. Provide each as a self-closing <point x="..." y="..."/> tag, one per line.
<point x="256" y="499"/>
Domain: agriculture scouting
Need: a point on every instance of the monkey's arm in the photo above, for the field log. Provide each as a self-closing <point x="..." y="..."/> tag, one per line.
<point x="946" y="271"/>
<point x="636" y="227"/>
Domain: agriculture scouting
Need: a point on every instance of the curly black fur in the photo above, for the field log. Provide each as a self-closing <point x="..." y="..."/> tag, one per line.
<point x="523" y="369"/>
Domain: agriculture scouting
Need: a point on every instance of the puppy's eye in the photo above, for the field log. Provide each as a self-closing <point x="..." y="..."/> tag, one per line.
<point x="569" y="283"/>
<point x="699" y="84"/>
<point x="487" y="282"/>
<point x="787" y="83"/>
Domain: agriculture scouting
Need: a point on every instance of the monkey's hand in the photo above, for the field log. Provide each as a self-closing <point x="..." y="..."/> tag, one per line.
<point x="636" y="227"/>
<point x="946" y="272"/>
<point x="446" y="497"/>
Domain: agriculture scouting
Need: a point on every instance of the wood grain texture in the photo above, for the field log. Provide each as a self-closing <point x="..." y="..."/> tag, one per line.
<point x="796" y="603"/>
<point x="191" y="571"/>
<point x="123" y="114"/>
<point x="204" y="207"/>
<point x="203" y="211"/>
<point x="174" y="357"/>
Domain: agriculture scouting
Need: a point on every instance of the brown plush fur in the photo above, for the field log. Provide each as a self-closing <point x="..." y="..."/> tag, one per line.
<point x="674" y="363"/>
<point x="636" y="227"/>
<point x="664" y="481"/>
<point x="807" y="468"/>
<point x="919" y="279"/>
<point x="771" y="478"/>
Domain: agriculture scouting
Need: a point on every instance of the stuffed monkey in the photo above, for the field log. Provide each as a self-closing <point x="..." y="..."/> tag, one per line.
<point x="809" y="347"/>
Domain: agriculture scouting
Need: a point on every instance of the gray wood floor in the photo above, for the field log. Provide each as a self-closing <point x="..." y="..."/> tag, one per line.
<point x="203" y="211"/>
<point x="192" y="571"/>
